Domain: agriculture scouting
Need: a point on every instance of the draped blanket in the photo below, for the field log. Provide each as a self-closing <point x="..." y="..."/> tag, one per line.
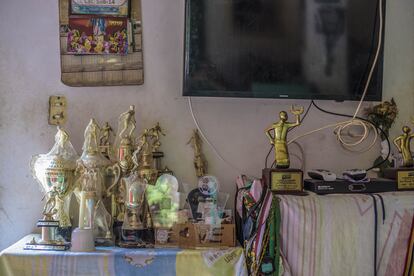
<point x="335" y="234"/>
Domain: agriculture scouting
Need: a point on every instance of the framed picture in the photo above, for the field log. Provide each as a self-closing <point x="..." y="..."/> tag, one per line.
<point x="97" y="35"/>
<point x="101" y="50"/>
<point x="100" y="7"/>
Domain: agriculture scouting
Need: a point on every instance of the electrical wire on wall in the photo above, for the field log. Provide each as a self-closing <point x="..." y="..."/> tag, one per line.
<point x="210" y="144"/>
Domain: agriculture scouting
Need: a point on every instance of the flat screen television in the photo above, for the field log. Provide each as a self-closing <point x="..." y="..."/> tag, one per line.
<point x="300" y="49"/>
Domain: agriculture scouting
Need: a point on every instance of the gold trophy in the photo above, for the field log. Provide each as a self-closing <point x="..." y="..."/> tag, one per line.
<point x="54" y="172"/>
<point x="124" y="148"/>
<point x="157" y="155"/>
<point x="282" y="179"/>
<point x="104" y="140"/>
<point x="405" y="173"/>
<point x="133" y="227"/>
<point x="143" y="157"/>
<point x="200" y="162"/>
<point x="93" y="163"/>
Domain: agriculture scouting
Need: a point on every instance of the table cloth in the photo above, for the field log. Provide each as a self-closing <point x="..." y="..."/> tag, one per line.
<point x="15" y="261"/>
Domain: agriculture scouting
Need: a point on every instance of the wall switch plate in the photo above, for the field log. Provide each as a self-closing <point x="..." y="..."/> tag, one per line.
<point x="57" y="110"/>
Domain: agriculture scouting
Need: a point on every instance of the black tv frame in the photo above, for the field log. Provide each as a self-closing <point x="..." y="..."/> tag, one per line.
<point x="279" y="95"/>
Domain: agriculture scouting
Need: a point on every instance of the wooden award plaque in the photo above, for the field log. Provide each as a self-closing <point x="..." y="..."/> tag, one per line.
<point x="284" y="181"/>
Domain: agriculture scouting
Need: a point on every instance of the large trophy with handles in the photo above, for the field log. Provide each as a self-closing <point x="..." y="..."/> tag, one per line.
<point x="54" y="172"/>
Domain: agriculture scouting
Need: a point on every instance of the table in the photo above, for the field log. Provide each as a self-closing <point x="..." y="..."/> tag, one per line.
<point x="15" y="261"/>
<point x="335" y="234"/>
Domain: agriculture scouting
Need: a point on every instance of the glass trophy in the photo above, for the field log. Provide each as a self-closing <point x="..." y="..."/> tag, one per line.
<point x="133" y="226"/>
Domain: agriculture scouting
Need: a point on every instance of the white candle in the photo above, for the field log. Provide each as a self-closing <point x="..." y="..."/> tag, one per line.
<point x="82" y="207"/>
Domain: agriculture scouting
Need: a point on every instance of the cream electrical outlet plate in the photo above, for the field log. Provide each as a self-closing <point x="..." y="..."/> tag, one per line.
<point x="57" y="110"/>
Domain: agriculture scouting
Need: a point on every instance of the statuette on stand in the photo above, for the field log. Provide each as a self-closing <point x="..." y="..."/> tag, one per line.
<point x="277" y="134"/>
<point x="282" y="179"/>
<point x="143" y="158"/>
<point x="105" y="140"/>
<point x="402" y="143"/>
<point x="200" y="162"/>
<point x="404" y="174"/>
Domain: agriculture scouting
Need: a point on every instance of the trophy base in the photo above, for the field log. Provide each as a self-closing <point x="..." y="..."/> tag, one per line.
<point x="404" y="177"/>
<point x="140" y="244"/>
<point x="157" y="154"/>
<point x="284" y="181"/>
<point x="47" y="223"/>
<point x="142" y="238"/>
<point x="47" y="246"/>
<point x="65" y="233"/>
<point x="104" y="242"/>
<point x="117" y="230"/>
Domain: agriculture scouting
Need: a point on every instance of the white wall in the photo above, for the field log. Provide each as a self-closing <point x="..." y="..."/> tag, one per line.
<point x="30" y="72"/>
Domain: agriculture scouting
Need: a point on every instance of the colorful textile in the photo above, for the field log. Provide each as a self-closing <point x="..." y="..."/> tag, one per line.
<point x="119" y="261"/>
<point x="334" y="234"/>
<point x="409" y="260"/>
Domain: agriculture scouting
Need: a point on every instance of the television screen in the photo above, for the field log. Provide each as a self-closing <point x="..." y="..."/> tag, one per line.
<point x="302" y="49"/>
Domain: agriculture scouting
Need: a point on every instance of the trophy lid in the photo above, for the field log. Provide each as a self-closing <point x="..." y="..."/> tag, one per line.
<point x="61" y="159"/>
<point x="91" y="155"/>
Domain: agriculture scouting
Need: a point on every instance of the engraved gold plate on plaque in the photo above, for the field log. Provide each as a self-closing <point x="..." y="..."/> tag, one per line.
<point x="405" y="179"/>
<point x="284" y="180"/>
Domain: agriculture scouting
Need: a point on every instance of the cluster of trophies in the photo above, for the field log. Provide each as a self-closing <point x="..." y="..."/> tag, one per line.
<point x="122" y="188"/>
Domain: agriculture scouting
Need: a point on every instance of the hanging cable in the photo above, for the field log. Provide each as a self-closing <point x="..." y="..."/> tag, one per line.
<point x="210" y="144"/>
<point x="341" y="127"/>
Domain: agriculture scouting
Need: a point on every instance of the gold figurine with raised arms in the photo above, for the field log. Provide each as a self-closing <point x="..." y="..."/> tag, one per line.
<point x="277" y="134"/>
<point x="402" y="143"/>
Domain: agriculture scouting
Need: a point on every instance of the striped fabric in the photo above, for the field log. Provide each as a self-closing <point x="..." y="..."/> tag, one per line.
<point x="409" y="260"/>
<point x="334" y="234"/>
<point x="14" y="261"/>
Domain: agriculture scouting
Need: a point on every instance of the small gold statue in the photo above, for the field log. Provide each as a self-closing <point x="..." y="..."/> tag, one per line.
<point x="402" y="143"/>
<point x="127" y="122"/>
<point x="200" y="163"/>
<point x="277" y="134"/>
<point x="91" y="144"/>
<point x="124" y="146"/>
<point x="106" y="135"/>
<point x="155" y="134"/>
<point x="49" y="210"/>
<point x="104" y="140"/>
<point x="143" y="157"/>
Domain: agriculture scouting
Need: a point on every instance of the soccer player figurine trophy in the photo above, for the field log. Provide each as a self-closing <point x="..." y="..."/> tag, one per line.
<point x="405" y="173"/>
<point x="54" y="172"/>
<point x="143" y="157"/>
<point x="124" y="165"/>
<point x="282" y="179"/>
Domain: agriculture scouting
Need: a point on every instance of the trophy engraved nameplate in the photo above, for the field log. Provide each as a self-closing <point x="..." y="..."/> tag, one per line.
<point x="54" y="172"/>
<point x="405" y="179"/>
<point x="282" y="179"/>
